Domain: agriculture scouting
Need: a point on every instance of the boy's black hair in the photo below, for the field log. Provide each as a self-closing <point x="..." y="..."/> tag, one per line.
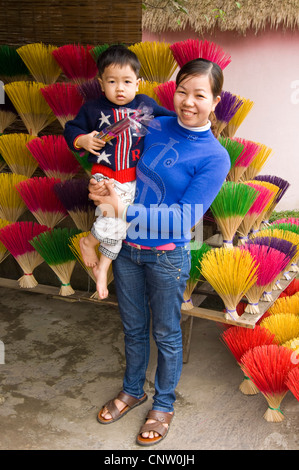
<point x="118" y="55"/>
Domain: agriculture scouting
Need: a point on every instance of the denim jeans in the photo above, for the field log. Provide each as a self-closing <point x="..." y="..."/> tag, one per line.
<point x="152" y="281"/>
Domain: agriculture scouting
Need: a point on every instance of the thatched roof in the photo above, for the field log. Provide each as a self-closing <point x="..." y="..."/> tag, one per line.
<point x="253" y="15"/>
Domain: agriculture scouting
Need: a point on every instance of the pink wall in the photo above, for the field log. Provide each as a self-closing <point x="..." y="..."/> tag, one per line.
<point x="264" y="69"/>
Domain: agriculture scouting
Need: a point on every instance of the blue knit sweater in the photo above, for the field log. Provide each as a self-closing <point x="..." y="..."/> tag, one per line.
<point x="119" y="157"/>
<point x="178" y="177"/>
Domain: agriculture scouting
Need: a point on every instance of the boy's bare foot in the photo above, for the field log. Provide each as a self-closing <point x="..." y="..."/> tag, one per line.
<point x="101" y="281"/>
<point x="88" y="253"/>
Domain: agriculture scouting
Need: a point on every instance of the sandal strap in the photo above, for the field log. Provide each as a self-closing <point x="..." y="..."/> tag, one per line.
<point x="112" y="409"/>
<point x="154" y="427"/>
<point x="160" y="416"/>
<point x="128" y="399"/>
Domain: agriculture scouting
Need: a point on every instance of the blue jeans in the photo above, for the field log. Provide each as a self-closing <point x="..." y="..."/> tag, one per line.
<point x="152" y="281"/>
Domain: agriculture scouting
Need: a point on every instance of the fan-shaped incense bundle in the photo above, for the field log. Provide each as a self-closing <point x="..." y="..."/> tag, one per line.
<point x="74" y="244"/>
<point x="231" y="273"/>
<point x="30" y="105"/>
<point x="165" y="93"/>
<point x="288" y="304"/>
<point x="54" y="156"/>
<point x="12" y="68"/>
<point x="292" y="382"/>
<point x="239" y="340"/>
<point x="233" y="148"/>
<point x="285" y="326"/>
<point x="225" y="110"/>
<point x="7" y="118"/>
<point x="235" y="122"/>
<point x="148" y="88"/>
<point x="83" y="160"/>
<point x="39" y="196"/>
<point x="197" y="252"/>
<point x="270" y="263"/>
<point x="16" y="155"/>
<point x="54" y="249"/>
<point x="184" y="51"/>
<point x="293" y="344"/>
<point x="12" y="205"/>
<point x="268" y="367"/>
<point x="283" y="186"/>
<point x="15" y="237"/>
<point x="257" y="163"/>
<point x="230" y="206"/>
<point x="73" y="194"/>
<point x="291" y="289"/>
<point x="64" y="99"/>
<point x="248" y="153"/>
<point x="76" y="62"/>
<point x="257" y="225"/>
<point x="90" y="90"/>
<point x="3" y="250"/>
<point x="156" y="59"/>
<point x="39" y="60"/>
<point x="96" y="51"/>
<point x="263" y="198"/>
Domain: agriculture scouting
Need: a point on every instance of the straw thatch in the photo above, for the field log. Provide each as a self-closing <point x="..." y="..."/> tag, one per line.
<point x="205" y="16"/>
<point x="62" y="22"/>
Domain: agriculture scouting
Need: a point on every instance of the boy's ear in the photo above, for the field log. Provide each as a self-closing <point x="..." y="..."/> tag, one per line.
<point x="138" y="83"/>
<point x="101" y="83"/>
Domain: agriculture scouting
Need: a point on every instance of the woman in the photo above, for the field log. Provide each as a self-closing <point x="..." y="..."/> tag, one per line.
<point x="181" y="171"/>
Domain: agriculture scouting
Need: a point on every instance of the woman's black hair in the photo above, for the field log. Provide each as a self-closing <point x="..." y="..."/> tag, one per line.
<point x="203" y="67"/>
<point x="118" y="55"/>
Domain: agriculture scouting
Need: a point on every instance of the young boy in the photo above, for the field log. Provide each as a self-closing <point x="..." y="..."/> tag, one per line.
<point x="119" y="78"/>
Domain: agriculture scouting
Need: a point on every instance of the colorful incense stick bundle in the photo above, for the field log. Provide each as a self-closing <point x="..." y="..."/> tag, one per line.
<point x="3" y="250"/>
<point x="263" y="198"/>
<point x="225" y="110"/>
<point x="258" y="223"/>
<point x="16" y="238"/>
<point x="270" y="263"/>
<point x="293" y="344"/>
<point x="157" y="61"/>
<point x="15" y="153"/>
<point x="54" y="249"/>
<point x="64" y="99"/>
<point x="96" y="51"/>
<point x="240" y="115"/>
<point x="184" y="51"/>
<point x="288" y="304"/>
<point x="54" y="156"/>
<point x="283" y="186"/>
<point x="7" y="118"/>
<point x="74" y="244"/>
<point x="165" y="93"/>
<point x="83" y="160"/>
<point x="90" y="90"/>
<point x="248" y="153"/>
<point x="289" y="220"/>
<point x="73" y="194"/>
<point x="285" y="326"/>
<point x="239" y="340"/>
<point x="30" y="105"/>
<point x="230" y="207"/>
<point x="76" y="62"/>
<point x="39" y="196"/>
<point x="148" y="88"/>
<point x="39" y="60"/>
<point x="233" y="148"/>
<point x="268" y="367"/>
<point x="12" y="205"/>
<point x="292" y="382"/>
<point x="257" y="163"/>
<point x="12" y="68"/>
<point x="291" y="289"/>
<point x="197" y="252"/>
<point x="231" y="273"/>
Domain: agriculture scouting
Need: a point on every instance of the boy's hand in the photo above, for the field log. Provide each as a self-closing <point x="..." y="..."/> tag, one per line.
<point x="90" y="142"/>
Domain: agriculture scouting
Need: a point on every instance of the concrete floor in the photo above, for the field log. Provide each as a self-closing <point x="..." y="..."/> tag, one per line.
<point x="64" y="360"/>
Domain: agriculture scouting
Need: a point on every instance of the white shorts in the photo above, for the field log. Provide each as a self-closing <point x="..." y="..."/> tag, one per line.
<point x="112" y="231"/>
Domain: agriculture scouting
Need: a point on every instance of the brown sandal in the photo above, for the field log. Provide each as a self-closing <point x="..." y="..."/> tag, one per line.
<point x="160" y="417"/>
<point x="130" y="401"/>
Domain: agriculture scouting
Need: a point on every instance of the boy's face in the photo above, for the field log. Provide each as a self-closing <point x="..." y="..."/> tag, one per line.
<point x="119" y="84"/>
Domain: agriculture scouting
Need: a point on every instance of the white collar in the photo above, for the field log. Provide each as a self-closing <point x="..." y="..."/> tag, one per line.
<point x="196" y="129"/>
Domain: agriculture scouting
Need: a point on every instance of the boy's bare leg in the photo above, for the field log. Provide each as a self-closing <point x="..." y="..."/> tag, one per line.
<point x="101" y="271"/>
<point x="87" y="247"/>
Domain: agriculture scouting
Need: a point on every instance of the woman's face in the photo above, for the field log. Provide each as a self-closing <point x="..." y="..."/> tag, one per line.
<point x="194" y="100"/>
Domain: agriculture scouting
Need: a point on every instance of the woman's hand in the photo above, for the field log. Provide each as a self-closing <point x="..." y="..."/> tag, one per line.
<point x="90" y="142"/>
<point x="104" y="195"/>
